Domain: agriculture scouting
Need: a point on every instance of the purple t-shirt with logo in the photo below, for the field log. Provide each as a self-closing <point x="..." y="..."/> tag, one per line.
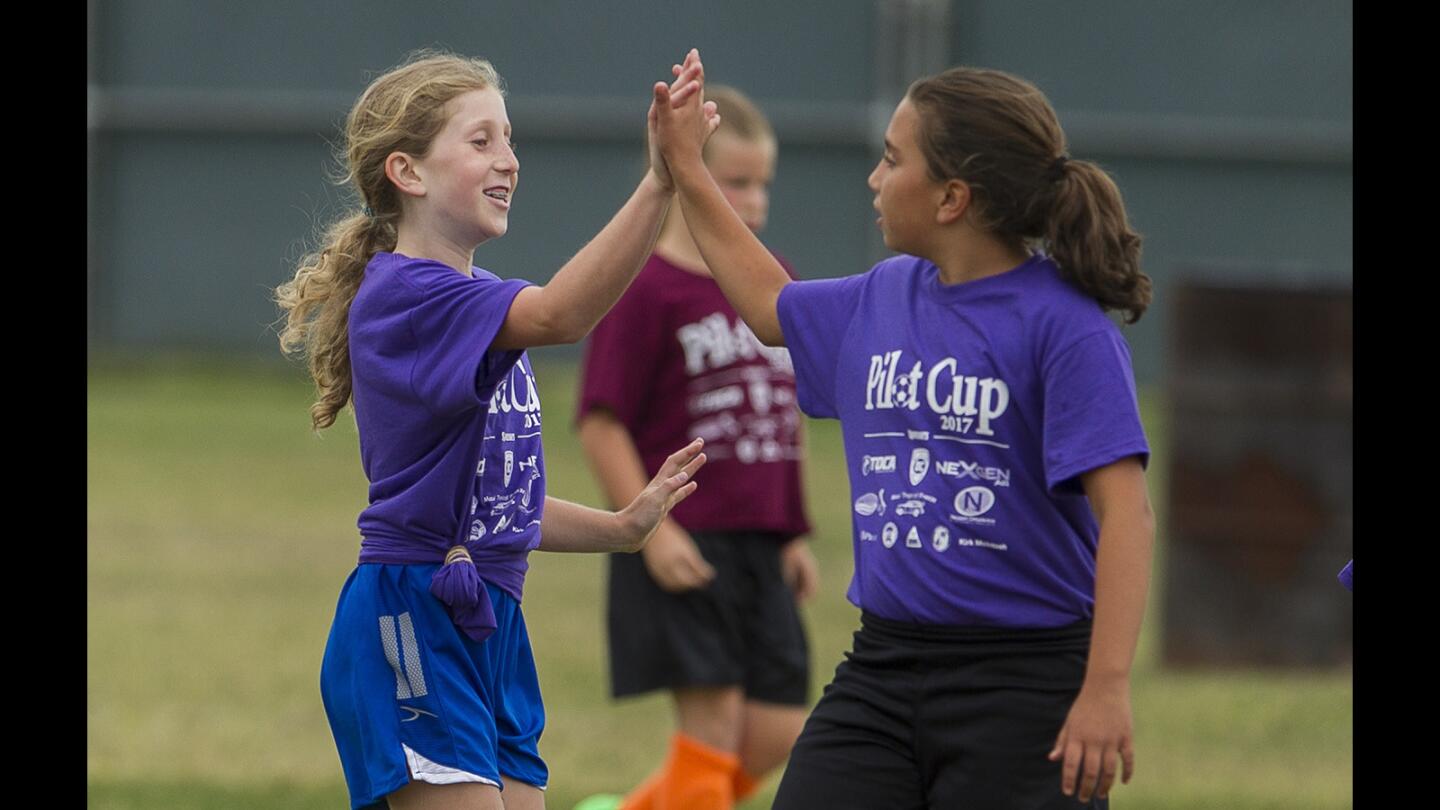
<point x="449" y="429"/>
<point x="969" y="412"/>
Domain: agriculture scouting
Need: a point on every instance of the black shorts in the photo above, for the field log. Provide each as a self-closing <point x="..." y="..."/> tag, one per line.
<point x="941" y="718"/>
<point x="743" y="629"/>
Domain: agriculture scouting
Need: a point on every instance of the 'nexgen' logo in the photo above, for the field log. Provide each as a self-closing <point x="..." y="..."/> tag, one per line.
<point x="998" y="476"/>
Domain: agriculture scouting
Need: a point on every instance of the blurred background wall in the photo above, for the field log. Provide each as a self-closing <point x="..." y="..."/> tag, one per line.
<point x="1227" y="124"/>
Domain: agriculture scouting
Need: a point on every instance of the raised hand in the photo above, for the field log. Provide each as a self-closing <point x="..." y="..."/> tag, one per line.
<point x="670" y="486"/>
<point x="689" y="83"/>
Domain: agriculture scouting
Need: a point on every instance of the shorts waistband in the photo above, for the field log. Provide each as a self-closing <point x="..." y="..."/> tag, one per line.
<point x="1071" y="636"/>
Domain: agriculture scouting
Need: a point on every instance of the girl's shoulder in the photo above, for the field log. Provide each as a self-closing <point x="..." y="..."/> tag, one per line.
<point x="398" y="270"/>
<point x="1066" y="302"/>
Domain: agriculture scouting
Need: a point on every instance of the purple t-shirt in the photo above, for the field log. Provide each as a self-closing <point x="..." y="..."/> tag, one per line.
<point x="969" y="412"/>
<point x="449" y="430"/>
<point x="673" y="361"/>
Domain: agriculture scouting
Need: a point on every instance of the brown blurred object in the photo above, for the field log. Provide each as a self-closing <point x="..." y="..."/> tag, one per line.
<point x="1260" y="387"/>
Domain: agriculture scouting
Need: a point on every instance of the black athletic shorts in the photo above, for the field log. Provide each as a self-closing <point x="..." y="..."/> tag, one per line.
<point x="940" y="718"/>
<point x="743" y="629"/>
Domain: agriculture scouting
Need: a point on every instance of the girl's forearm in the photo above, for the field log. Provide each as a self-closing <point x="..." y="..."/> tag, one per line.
<point x="748" y="274"/>
<point x="572" y="527"/>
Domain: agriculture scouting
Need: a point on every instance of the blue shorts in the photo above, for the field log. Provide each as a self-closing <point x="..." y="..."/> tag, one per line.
<point x="410" y="696"/>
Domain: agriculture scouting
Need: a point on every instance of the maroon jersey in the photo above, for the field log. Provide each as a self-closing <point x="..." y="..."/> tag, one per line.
<point x="673" y="361"/>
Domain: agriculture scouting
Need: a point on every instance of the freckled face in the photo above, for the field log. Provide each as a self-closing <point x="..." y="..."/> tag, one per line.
<point x="744" y="170"/>
<point x="905" y="194"/>
<point x="471" y="171"/>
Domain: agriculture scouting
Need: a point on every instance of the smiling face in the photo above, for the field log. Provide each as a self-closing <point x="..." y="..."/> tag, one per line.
<point x="906" y="196"/>
<point x="744" y="170"/>
<point x="471" y="171"/>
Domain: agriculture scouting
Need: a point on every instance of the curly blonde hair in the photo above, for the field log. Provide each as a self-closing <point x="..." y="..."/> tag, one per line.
<point x="401" y="111"/>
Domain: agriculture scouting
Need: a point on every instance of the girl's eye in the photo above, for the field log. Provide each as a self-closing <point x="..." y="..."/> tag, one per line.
<point x="481" y="142"/>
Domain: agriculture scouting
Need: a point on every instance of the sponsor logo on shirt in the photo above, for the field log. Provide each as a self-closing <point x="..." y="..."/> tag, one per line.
<point x="867" y="536"/>
<point x="975" y="542"/>
<point x="905" y="496"/>
<point x="731" y="396"/>
<point x="998" y="476"/>
<point x="749" y="450"/>
<point x="942" y="389"/>
<point x="974" y="501"/>
<point x="919" y="465"/>
<point x="889" y="535"/>
<point x="870" y="504"/>
<point x="509" y="465"/>
<point x="912" y="540"/>
<point x="912" y="508"/>
<point x="760" y="396"/>
<point x="941" y="538"/>
<point x="877" y="464"/>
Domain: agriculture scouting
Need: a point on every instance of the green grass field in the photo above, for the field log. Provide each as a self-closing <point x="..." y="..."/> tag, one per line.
<point x="220" y="530"/>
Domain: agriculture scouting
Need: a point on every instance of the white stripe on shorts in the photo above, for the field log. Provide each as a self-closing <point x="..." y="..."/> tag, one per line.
<point x="392" y="654"/>
<point x="424" y="770"/>
<point x="412" y="656"/>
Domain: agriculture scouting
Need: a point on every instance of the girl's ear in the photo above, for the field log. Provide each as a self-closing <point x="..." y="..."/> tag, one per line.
<point x="954" y="202"/>
<point x="402" y="171"/>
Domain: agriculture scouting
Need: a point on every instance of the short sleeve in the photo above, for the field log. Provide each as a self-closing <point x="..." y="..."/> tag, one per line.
<point x="1092" y="416"/>
<point x="621" y="356"/>
<point x="814" y="317"/>
<point x="456" y="321"/>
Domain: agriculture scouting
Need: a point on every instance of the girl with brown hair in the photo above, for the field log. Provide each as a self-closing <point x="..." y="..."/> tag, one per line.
<point x="1002" y="530"/>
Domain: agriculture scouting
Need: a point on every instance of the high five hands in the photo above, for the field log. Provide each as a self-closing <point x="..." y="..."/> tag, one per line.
<point x="672" y="100"/>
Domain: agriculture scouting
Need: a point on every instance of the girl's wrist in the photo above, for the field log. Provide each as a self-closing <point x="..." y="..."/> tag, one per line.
<point x="652" y="184"/>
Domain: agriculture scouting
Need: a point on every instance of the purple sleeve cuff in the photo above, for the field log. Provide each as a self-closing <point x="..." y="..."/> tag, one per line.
<point x="1346" y="573"/>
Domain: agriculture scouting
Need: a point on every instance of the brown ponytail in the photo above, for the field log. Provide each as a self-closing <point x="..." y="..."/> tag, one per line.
<point x="1089" y="236"/>
<point x="999" y="134"/>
